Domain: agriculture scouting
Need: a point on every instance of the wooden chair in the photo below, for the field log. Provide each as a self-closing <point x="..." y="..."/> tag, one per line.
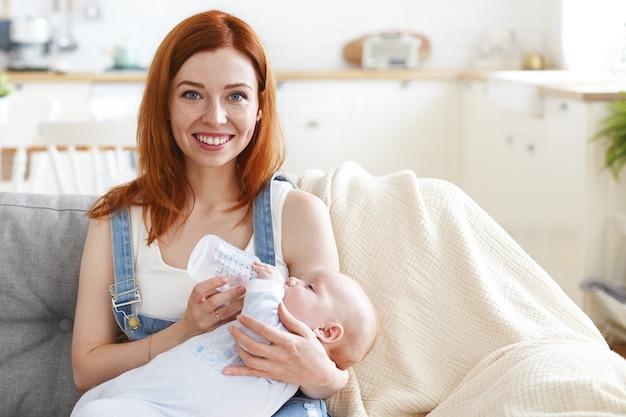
<point x="19" y="118"/>
<point x="73" y="158"/>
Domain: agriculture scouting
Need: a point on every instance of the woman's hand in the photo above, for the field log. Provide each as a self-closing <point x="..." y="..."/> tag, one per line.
<point x="295" y="356"/>
<point x="208" y="308"/>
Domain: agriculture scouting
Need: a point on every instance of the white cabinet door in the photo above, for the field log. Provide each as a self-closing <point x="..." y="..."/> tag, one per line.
<point x="561" y="153"/>
<point x="555" y="212"/>
<point x="528" y="173"/>
<point x="385" y="126"/>
<point x="487" y="154"/>
<point x="525" y="170"/>
<point x="411" y="124"/>
<point x="317" y="123"/>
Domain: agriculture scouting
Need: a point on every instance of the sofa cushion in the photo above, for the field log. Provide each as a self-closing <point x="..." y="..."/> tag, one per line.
<point x="41" y="241"/>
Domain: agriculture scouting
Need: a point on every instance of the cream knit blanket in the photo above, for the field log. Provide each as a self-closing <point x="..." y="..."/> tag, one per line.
<point x="470" y="325"/>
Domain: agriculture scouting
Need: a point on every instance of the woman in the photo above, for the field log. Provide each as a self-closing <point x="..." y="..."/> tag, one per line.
<point x="208" y="144"/>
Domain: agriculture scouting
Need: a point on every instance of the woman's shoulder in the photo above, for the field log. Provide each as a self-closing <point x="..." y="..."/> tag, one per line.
<point x="297" y="199"/>
<point x="287" y="198"/>
<point x="308" y="239"/>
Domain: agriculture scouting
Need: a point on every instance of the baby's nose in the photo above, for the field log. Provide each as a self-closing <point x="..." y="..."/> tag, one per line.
<point x="291" y="282"/>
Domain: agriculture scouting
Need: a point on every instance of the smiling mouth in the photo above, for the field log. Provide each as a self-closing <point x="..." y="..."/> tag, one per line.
<point x="212" y="140"/>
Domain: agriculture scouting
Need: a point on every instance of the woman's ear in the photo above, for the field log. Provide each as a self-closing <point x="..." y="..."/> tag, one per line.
<point x="258" y="116"/>
<point x="330" y="332"/>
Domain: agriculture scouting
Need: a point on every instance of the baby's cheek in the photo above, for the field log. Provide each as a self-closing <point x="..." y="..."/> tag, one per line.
<point x="289" y="299"/>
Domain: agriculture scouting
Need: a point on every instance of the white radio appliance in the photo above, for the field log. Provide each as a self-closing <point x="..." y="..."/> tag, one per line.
<point x="394" y="50"/>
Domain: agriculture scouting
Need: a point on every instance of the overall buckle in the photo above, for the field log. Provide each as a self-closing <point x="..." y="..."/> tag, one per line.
<point x="126" y="298"/>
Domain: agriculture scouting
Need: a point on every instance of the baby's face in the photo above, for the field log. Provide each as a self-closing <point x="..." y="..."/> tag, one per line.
<point x="313" y="298"/>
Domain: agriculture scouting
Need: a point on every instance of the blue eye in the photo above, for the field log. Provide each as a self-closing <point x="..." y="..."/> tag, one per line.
<point x="237" y="97"/>
<point x="191" y="95"/>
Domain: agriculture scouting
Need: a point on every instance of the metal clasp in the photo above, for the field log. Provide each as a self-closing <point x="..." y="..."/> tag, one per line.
<point x="127" y="297"/>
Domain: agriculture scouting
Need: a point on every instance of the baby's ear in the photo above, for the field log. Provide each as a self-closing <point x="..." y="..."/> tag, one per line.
<point x="330" y="332"/>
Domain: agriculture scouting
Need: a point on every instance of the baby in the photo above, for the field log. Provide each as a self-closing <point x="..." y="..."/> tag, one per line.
<point x="332" y="305"/>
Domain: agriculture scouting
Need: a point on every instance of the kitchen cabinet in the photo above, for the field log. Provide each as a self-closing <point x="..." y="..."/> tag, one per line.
<point x="484" y="172"/>
<point x="72" y="97"/>
<point x="316" y="122"/>
<point x="408" y="124"/>
<point x="541" y="179"/>
<point x="384" y="125"/>
<point x="82" y="101"/>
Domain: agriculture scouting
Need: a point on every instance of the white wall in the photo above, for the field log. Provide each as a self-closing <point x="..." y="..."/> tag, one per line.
<point x="310" y="35"/>
<point x="594" y="35"/>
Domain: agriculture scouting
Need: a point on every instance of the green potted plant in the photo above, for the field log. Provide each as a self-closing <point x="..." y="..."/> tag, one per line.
<point x="5" y="86"/>
<point x="613" y="131"/>
<point x="5" y="90"/>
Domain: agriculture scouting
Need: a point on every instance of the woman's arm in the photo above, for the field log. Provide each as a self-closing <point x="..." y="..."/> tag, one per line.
<point x="296" y="357"/>
<point x="308" y="239"/>
<point x="96" y="355"/>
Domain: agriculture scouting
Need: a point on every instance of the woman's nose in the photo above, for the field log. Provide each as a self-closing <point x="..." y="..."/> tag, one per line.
<point x="214" y="113"/>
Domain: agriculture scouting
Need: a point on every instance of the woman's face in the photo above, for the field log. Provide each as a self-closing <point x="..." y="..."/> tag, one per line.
<point x="213" y="106"/>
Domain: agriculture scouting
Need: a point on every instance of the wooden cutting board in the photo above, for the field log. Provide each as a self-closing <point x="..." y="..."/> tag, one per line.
<point x="5" y="14"/>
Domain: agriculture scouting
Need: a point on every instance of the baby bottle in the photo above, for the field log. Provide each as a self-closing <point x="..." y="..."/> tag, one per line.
<point x="213" y="257"/>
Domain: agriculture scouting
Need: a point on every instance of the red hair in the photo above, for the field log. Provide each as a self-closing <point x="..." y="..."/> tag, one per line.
<point x="161" y="185"/>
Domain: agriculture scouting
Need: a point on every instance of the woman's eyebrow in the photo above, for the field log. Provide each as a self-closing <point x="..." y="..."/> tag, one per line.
<point x="226" y="87"/>
<point x="191" y="83"/>
<point x="239" y="85"/>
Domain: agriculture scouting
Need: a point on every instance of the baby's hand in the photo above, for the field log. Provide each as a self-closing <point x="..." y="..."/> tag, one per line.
<point x="267" y="271"/>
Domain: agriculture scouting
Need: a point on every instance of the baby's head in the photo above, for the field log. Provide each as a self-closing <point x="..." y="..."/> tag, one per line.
<point x="338" y="311"/>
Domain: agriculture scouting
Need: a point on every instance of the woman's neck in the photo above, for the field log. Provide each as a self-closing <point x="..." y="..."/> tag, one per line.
<point x="215" y="187"/>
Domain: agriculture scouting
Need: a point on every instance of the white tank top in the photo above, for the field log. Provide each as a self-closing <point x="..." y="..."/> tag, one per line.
<point x="165" y="289"/>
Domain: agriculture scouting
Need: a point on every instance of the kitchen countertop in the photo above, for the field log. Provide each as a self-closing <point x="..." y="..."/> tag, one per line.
<point x="20" y="77"/>
<point x="602" y="90"/>
<point x="343" y="74"/>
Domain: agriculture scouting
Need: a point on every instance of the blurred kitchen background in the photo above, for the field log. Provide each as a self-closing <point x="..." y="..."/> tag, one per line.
<point x="310" y="35"/>
<point x="500" y="97"/>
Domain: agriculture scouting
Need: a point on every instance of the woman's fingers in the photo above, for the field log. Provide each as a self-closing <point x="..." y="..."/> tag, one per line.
<point x="206" y="292"/>
<point x="292" y="324"/>
<point x="229" y="311"/>
<point x="284" y="358"/>
<point x="208" y="308"/>
<point x="254" y="356"/>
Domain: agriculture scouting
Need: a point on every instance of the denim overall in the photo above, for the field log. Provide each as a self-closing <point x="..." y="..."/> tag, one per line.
<point x="125" y="292"/>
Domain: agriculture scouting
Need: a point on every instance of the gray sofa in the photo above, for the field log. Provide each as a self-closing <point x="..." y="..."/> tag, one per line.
<point x="469" y="324"/>
<point x="41" y="242"/>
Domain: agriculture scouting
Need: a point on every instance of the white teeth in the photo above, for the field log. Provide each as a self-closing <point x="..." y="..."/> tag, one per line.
<point x="212" y="140"/>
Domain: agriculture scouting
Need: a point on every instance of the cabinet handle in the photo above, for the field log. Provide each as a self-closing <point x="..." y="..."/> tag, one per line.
<point x="531" y="148"/>
<point x="313" y="124"/>
<point x="563" y="106"/>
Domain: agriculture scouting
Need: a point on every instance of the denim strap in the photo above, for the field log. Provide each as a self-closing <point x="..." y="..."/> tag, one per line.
<point x="263" y="231"/>
<point x="124" y="292"/>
